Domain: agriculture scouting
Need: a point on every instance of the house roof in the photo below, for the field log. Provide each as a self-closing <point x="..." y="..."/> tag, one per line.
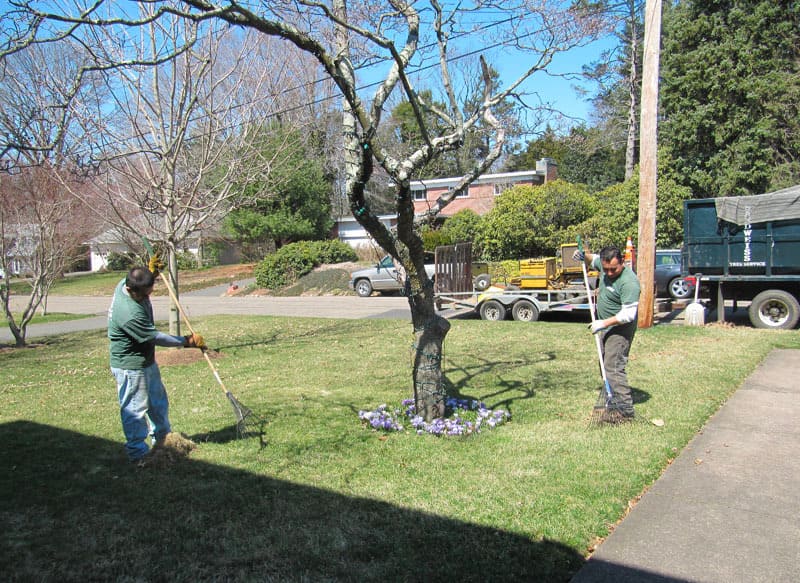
<point x="482" y="179"/>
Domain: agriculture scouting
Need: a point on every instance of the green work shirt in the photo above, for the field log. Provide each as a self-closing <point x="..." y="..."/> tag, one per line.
<point x="131" y="331"/>
<point x="616" y="293"/>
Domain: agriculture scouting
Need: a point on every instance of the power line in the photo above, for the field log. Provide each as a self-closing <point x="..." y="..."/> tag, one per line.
<point x="383" y="60"/>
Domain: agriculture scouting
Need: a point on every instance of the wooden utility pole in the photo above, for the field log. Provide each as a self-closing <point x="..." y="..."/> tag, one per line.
<point x="648" y="162"/>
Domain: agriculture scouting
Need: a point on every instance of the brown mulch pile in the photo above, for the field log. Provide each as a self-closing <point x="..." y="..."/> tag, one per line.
<point x="173" y="356"/>
<point x="174" y="448"/>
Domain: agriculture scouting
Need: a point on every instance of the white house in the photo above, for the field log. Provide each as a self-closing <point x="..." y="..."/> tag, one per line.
<point x="112" y="241"/>
<point x="348" y="230"/>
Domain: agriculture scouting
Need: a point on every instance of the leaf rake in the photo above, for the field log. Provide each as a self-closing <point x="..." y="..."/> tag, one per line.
<point x="248" y="424"/>
<point x="603" y="412"/>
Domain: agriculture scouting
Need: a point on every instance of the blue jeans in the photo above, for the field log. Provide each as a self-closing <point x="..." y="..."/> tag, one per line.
<point x="142" y="397"/>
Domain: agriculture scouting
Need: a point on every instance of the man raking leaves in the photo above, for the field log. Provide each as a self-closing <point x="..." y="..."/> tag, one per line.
<point x="133" y="337"/>
<point x="248" y="424"/>
<point x="617" y="310"/>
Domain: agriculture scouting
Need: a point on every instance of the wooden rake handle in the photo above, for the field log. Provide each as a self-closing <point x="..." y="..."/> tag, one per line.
<point x="174" y="298"/>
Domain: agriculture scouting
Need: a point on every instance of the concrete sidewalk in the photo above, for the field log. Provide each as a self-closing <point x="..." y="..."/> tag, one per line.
<point x="727" y="509"/>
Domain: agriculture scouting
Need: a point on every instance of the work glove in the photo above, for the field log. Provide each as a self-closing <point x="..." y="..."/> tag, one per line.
<point x="579" y="255"/>
<point x="597" y="326"/>
<point x="194" y="341"/>
<point x="155" y="265"/>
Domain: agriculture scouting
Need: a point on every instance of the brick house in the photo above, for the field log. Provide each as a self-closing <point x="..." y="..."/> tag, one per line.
<point x="479" y="198"/>
<point x="482" y="192"/>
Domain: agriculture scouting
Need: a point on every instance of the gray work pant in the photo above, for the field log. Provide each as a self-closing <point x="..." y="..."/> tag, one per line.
<point x="616" y="347"/>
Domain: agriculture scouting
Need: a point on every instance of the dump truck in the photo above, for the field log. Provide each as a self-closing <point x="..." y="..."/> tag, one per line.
<point x="544" y="285"/>
<point x="747" y="249"/>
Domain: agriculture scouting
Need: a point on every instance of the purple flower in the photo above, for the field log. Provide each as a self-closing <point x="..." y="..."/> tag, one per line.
<point x="463" y="417"/>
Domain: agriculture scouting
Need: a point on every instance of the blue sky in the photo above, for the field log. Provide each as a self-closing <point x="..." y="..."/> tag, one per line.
<point x="558" y="85"/>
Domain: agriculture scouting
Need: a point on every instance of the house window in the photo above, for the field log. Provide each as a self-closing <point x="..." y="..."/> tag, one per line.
<point x="420" y="194"/>
<point x="501" y="187"/>
<point x="464" y="194"/>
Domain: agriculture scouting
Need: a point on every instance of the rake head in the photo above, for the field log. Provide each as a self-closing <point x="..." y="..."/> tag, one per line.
<point x="248" y="424"/>
<point x="606" y="410"/>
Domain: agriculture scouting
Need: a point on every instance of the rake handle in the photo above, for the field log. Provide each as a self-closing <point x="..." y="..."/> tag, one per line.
<point x="174" y="298"/>
<point x="178" y="305"/>
<point x="597" y="341"/>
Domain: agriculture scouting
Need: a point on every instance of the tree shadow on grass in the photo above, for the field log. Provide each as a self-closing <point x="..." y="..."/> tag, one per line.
<point x="507" y="392"/>
<point x="73" y="509"/>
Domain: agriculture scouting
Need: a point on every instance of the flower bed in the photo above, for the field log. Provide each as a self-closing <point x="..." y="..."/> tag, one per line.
<point x="462" y="417"/>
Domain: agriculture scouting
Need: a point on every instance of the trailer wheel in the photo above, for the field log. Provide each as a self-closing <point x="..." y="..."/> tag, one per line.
<point x="482" y="281"/>
<point x="525" y="311"/>
<point x="774" y="308"/>
<point x="493" y="310"/>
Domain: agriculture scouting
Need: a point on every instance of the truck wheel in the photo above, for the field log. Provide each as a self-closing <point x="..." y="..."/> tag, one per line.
<point x="482" y="282"/>
<point x="525" y="311"/>
<point x="679" y="289"/>
<point x="363" y="288"/>
<point x="493" y="310"/>
<point x="774" y="308"/>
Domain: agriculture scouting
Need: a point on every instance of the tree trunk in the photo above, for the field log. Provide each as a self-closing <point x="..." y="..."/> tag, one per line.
<point x="430" y="330"/>
<point x="172" y="275"/>
<point x="633" y="84"/>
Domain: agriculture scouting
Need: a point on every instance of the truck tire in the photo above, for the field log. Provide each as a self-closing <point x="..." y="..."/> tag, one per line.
<point x="493" y="310"/>
<point x="482" y="282"/>
<point x="776" y="309"/>
<point x="525" y="311"/>
<point x="363" y="288"/>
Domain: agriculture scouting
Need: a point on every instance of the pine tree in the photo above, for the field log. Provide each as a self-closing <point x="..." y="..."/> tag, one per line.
<point x="730" y="94"/>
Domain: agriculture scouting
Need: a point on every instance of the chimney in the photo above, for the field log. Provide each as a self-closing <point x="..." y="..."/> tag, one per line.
<point x="548" y="168"/>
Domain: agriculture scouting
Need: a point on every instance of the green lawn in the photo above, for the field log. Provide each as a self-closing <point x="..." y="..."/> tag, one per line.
<point x="103" y="283"/>
<point x="328" y="499"/>
<point x="53" y="317"/>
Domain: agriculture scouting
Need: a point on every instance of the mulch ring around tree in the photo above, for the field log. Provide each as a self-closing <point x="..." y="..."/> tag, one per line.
<point x="177" y="356"/>
<point x="174" y="448"/>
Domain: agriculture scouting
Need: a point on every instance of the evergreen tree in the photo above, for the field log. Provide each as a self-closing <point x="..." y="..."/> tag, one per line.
<point x="584" y="156"/>
<point x="293" y="204"/>
<point x="730" y="95"/>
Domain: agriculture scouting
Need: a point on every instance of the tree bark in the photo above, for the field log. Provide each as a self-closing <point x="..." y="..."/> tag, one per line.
<point x="430" y="330"/>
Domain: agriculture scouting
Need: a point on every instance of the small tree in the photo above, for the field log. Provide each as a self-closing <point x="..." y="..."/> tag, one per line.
<point x="41" y="228"/>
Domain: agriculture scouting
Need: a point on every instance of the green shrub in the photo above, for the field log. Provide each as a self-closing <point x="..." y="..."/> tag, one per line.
<point x="186" y="260"/>
<point x="121" y="261"/>
<point x="211" y="253"/>
<point x="334" y="251"/>
<point x="292" y="261"/>
<point x="431" y="239"/>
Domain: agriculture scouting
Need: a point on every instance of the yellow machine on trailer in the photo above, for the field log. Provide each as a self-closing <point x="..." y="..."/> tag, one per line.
<point x="550" y="272"/>
<point x="544" y="285"/>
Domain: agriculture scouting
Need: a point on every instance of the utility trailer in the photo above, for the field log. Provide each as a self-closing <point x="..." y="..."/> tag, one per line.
<point x="747" y="248"/>
<point x="456" y="288"/>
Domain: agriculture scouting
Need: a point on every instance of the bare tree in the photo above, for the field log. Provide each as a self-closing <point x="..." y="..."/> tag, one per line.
<point x="403" y="35"/>
<point x="183" y="143"/>
<point x="41" y="231"/>
<point x="49" y="104"/>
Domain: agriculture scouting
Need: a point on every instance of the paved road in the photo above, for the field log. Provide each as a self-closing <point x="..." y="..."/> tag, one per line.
<point x="215" y="301"/>
<point x="203" y="304"/>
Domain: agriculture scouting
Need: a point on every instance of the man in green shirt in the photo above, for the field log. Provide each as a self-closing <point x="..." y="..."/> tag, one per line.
<point x="133" y="338"/>
<point x="617" y="311"/>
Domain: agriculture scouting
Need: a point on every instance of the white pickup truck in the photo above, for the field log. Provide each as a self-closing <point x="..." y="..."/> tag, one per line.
<point x="383" y="277"/>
